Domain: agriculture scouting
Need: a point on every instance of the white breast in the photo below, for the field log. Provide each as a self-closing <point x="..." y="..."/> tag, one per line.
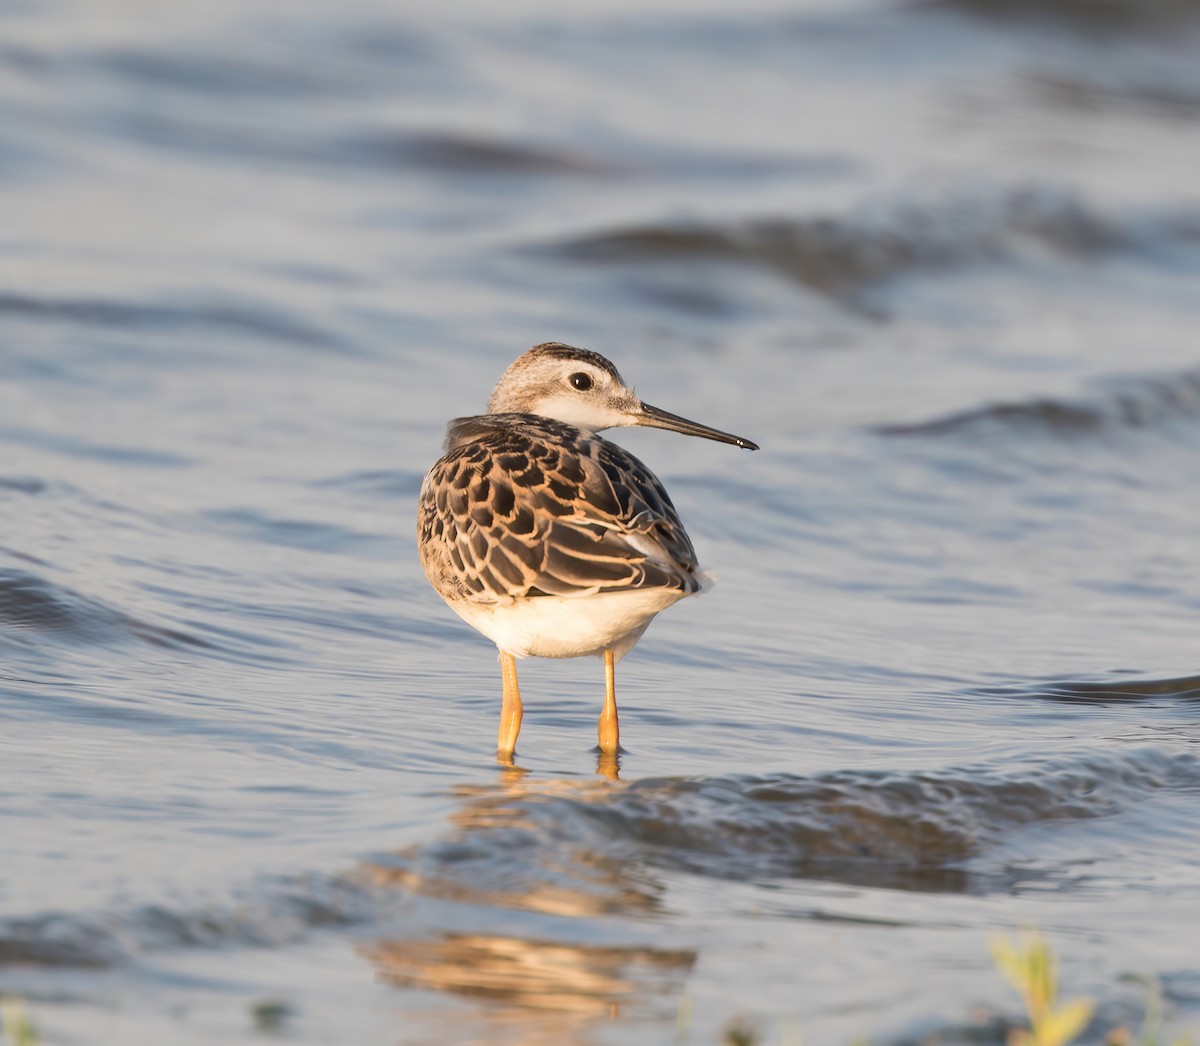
<point x="566" y="626"/>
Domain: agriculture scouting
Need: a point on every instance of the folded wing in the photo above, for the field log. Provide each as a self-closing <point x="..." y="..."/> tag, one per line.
<point x="525" y="506"/>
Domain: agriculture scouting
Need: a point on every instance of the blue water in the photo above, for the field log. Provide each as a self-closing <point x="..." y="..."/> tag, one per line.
<point x="942" y="261"/>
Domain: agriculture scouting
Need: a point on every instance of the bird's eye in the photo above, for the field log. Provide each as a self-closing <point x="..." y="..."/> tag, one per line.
<point x="581" y="381"/>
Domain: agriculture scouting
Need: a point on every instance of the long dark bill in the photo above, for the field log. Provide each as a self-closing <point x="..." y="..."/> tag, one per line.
<point x="655" y="418"/>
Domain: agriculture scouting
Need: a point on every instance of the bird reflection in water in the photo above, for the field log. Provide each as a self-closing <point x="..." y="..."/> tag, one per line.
<point x="503" y="855"/>
<point x="608" y="766"/>
<point x="526" y="973"/>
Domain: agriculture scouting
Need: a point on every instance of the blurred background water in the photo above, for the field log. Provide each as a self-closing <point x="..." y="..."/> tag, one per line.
<point x="941" y="259"/>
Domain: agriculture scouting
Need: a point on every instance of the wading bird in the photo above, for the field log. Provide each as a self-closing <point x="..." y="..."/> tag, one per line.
<point x="546" y="537"/>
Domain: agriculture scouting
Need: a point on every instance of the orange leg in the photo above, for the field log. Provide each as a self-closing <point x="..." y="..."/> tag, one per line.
<point x="609" y="730"/>
<point x="510" y="709"/>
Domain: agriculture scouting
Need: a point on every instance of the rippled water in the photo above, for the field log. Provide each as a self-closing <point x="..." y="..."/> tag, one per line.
<point x="942" y="260"/>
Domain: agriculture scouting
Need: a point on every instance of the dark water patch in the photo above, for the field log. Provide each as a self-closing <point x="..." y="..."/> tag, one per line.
<point x="270" y="914"/>
<point x="29" y="485"/>
<point x="693" y="163"/>
<point x="1093" y="15"/>
<point x="217" y="318"/>
<point x="1185" y="689"/>
<point x="845" y="255"/>
<point x="243" y="645"/>
<point x="986" y="1029"/>
<point x="449" y="153"/>
<point x="704" y="300"/>
<point x="23" y="557"/>
<point x="906" y="831"/>
<point x="839" y="256"/>
<point x="33" y="609"/>
<point x="1132" y="403"/>
<point x="1090" y="93"/>
<point x="1045" y="414"/>
<point x="585" y="849"/>
<point x="56" y="940"/>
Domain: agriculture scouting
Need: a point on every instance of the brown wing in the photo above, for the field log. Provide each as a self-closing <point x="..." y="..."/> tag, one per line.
<point x="525" y="506"/>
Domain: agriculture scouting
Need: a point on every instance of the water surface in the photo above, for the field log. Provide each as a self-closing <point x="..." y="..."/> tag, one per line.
<point x="941" y="260"/>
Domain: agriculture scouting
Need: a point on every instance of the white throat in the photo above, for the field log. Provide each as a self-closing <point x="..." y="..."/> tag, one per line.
<point x="580" y="412"/>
